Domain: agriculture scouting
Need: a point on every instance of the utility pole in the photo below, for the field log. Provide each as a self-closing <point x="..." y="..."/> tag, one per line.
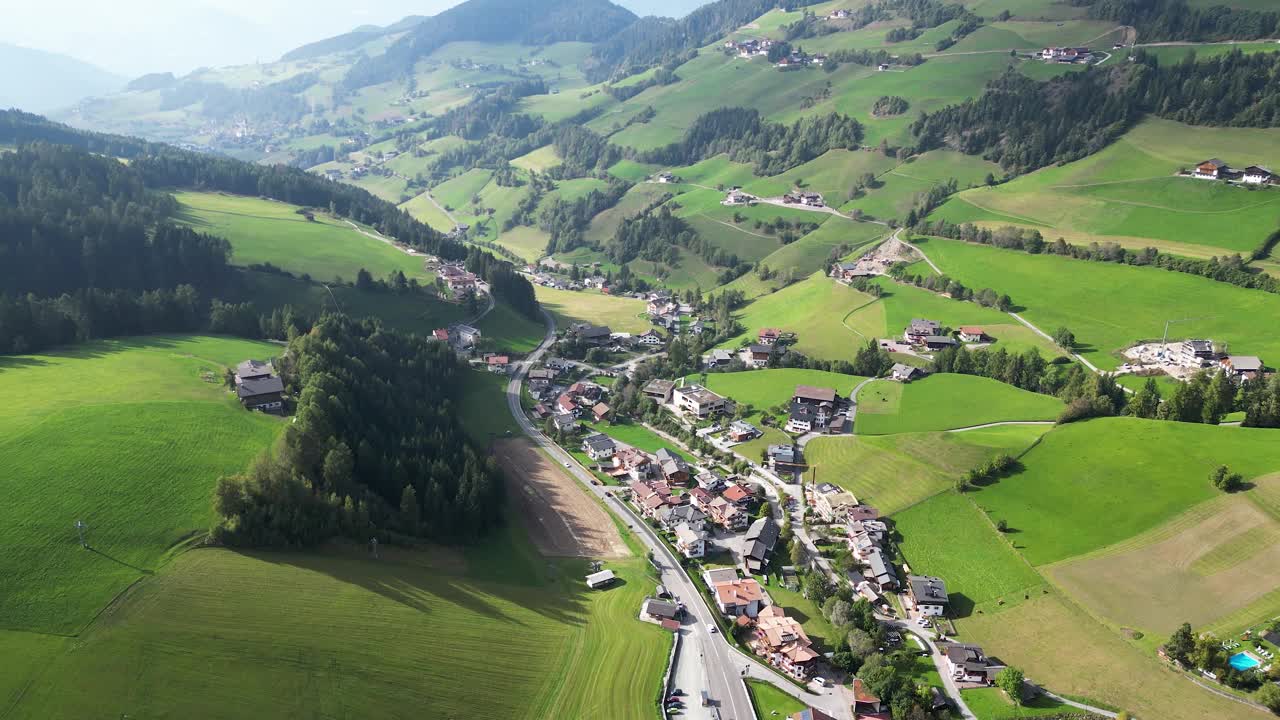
<point x="80" y="526"/>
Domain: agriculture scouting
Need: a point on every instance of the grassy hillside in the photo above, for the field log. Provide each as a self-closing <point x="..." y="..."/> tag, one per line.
<point x="1093" y="484"/>
<point x="767" y="388"/>
<point x="893" y="472"/>
<point x="620" y="314"/>
<point x="1110" y="306"/>
<point x="128" y="436"/>
<point x="947" y="536"/>
<point x="1127" y="193"/>
<point x="946" y="401"/>
<point x="245" y="646"/>
<point x="818" y="334"/>
<point x="265" y="231"/>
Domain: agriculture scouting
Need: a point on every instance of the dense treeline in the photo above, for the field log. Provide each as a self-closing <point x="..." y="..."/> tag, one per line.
<point x="583" y="152"/>
<point x="1228" y="268"/>
<point x="772" y="147"/>
<point x="1023" y="124"/>
<point x="657" y="236"/>
<point x="163" y="166"/>
<point x="1159" y="20"/>
<point x="375" y="448"/>
<point x="873" y="57"/>
<point x="318" y="155"/>
<point x="652" y="41"/>
<point x="664" y="75"/>
<point x="492" y="112"/>
<point x="31" y="324"/>
<point x="70" y="220"/>
<point x="275" y="103"/>
<point x="504" y="282"/>
<point x="565" y="221"/>
<point x="527" y="22"/>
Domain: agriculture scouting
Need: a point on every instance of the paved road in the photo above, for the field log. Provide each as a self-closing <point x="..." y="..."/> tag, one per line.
<point x="721" y="664"/>
<point x="998" y="424"/>
<point x="939" y="661"/>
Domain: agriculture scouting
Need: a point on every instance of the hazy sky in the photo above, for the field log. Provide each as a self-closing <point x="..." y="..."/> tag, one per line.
<point x="133" y="37"/>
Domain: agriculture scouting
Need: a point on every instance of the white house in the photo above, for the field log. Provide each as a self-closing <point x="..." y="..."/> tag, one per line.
<point x="697" y="401"/>
<point x="599" y="446"/>
<point x="1257" y="175"/>
<point x="691" y="543"/>
<point x="904" y="373"/>
<point x="928" y="594"/>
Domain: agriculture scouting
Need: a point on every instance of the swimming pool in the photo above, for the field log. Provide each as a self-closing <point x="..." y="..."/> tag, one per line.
<point x="1244" y="661"/>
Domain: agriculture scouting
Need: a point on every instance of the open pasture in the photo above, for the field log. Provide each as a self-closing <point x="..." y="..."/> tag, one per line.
<point x="1127" y="193"/>
<point x="766" y="388"/>
<point x="1093" y="484"/>
<point x="1071" y="653"/>
<point x="1219" y="557"/>
<point x="893" y="472"/>
<point x="128" y="436"/>
<point x="568" y="307"/>
<point x="246" y="645"/>
<point x="947" y="401"/>
<point x="1110" y="306"/>
<point x="265" y="231"/>
<point x="948" y="537"/>
<point x="818" y="334"/>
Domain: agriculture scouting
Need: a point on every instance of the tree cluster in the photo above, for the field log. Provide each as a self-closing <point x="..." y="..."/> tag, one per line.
<point x="746" y="137"/>
<point x="375" y="448"/>
<point x="565" y="221"/>
<point x="1162" y="20"/>
<point x="1023" y="124"/>
<point x="1205" y="652"/>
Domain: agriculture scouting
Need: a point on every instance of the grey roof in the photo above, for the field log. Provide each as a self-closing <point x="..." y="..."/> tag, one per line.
<point x="900" y="368"/>
<point x="599" y="441"/>
<point x="659" y="386"/>
<point x="922" y="325"/>
<point x="782" y="453"/>
<point x="592" y="331"/>
<point x="260" y="386"/>
<point x="718" y="575"/>
<point x="743" y="426"/>
<point x="1253" y="168"/>
<point x="763" y="531"/>
<point x="1214" y="162"/>
<point x="757" y="348"/>
<point x="564" y="420"/>
<point x="818" y="394"/>
<point x="802" y="412"/>
<point x="1245" y="363"/>
<point x="254" y="369"/>
<point x="660" y="608"/>
<point x="601" y="577"/>
<point x="928" y="589"/>
<point x="940" y="340"/>
<point x="880" y="568"/>
<point x="681" y="514"/>
<point x="1200" y="345"/>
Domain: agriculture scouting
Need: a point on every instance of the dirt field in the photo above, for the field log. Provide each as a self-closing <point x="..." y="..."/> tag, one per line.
<point x="1212" y="561"/>
<point x="564" y="521"/>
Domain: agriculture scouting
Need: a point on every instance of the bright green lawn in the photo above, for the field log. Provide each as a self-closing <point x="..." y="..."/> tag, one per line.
<point x="483" y="395"/>
<point x="219" y="634"/>
<point x="1092" y="484"/>
<point x="128" y="436"/>
<point x="946" y="401"/>
<point x="510" y="331"/>
<point x="820" y="334"/>
<point x="948" y="537"/>
<point x="1110" y="306"/>
<point x="766" y="388"/>
<point x="637" y="435"/>
<point x="265" y="231"/>
<point x="893" y="472"/>
<point x="770" y="702"/>
<point x="993" y="704"/>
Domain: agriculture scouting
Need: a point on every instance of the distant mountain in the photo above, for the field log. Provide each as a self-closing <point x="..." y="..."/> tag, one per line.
<point x="40" y="81"/>
<point x="351" y="40"/>
<point x="532" y="22"/>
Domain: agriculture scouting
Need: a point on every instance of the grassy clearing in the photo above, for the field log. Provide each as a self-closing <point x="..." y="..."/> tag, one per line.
<point x="994" y="704"/>
<point x="808" y="614"/>
<point x="1092" y="484"/>
<point x="424" y="210"/>
<point x="604" y="224"/>
<point x="1110" y="306"/>
<point x="818" y="334"/>
<point x="245" y="646"/>
<point x="620" y="314"/>
<point x="510" y="331"/>
<point x="127" y="435"/>
<point x="946" y="401"/>
<point x="265" y="231"/>
<point x="1218" y="558"/>
<point x="637" y="435"/>
<point x="540" y="160"/>
<point x="770" y="702"/>
<point x="833" y="174"/>
<point x="948" y="537"/>
<point x="893" y="472"/>
<point x="1068" y="650"/>
<point x="1128" y="191"/>
<point x="810" y="253"/>
<point x="903" y="186"/>
<point x="767" y="388"/>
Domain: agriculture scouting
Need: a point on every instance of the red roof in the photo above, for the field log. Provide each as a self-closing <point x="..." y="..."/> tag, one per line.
<point x="672" y="625"/>
<point x="770" y="332"/>
<point x="736" y="493"/>
<point x="440" y="334"/>
<point x="498" y="360"/>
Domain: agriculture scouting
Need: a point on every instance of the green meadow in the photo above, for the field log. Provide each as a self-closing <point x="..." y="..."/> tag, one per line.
<point x="947" y="401"/>
<point x="265" y="231"/>
<point x="768" y="388"/>
<point x="948" y="537"/>
<point x="128" y="436"/>
<point x="818" y="334"/>
<point x="1110" y="306"/>
<point x="1128" y="194"/>
<point x="245" y="645"/>
<point x="894" y="472"/>
<point x="568" y="307"/>
<point x="1092" y="484"/>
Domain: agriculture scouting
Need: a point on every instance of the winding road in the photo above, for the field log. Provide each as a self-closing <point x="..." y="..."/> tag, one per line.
<point x="723" y="665"/>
